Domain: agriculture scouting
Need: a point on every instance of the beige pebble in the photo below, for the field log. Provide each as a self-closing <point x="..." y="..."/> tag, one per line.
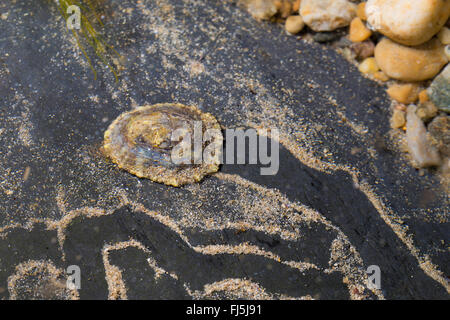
<point x="447" y="51"/>
<point x="398" y="119"/>
<point x="294" y="24"/>
<point x="410" y="63"/>
<point x="327" y="15"/>
<point x="261" y="9"/>
<point x="444" y="35"/>
<point x="409" y="22"/>
<point x="423" y="153"/>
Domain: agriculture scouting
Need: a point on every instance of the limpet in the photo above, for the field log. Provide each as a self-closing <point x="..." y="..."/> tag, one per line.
<point x="141" y="142"/>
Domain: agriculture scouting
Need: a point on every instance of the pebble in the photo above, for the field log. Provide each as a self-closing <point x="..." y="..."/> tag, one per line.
<point x="296" y="6"/>
<point x="294" y="24"/>
<point x="409" y="22"/>
<point x="439" y="90"/>
<point x="422" y="152"/>
<point x="368" y="66"/>
<point x="363" y="49"/>
<point x="380" y="75"/>
<point x="284" y="7"/>
<point x="361" y="11"/>
<point x="423" y="96"/>
<point x="410" y="63"/>
<point x="398" y="119"/>
<point x="444" y="35"/>
<point x="404" y="93"/>
<point x="327" y="15"/>
<point x="261" y="9"/>
<point x="439" y="128"/>
<point x="358" y="31"/>
<point x="426" y="111"/>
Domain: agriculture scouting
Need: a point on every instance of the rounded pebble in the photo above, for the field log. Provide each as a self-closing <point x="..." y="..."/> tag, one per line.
<point x="327" y="15"/>
<point x="409" y="22"/>
<point x="444" y="35"/>
<point x="294" y="24"/>
<point x="410" y="63"/>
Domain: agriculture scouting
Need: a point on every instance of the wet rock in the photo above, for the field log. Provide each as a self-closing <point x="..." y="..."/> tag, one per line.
<point x="409" y="22"/>
<point x="410" y="63"/>
<point x="327" y="15"/>
<point x="422" y="152"/>
<point x="439" y="90"/>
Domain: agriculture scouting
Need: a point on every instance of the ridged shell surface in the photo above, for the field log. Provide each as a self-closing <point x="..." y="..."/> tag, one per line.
<point x="140" y="142"/>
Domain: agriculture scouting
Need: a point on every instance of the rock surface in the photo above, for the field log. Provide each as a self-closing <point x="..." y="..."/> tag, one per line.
<point x="422" y="152"/>
<point x="409" y="22"/>
<point x="327" y="15"/>
<point x="410" y="63"/>
<point x="439" y="91"/>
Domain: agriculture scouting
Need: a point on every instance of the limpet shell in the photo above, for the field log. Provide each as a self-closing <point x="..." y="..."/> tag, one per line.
<point x="140" y="142"/>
